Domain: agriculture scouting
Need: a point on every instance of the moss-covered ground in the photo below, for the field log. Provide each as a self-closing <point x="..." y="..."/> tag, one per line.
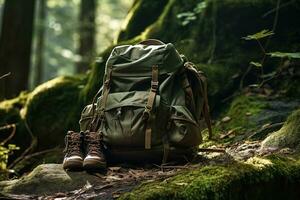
<point x="259" y="178"/>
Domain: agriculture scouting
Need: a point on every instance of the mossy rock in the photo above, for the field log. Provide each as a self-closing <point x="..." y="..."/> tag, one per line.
<point x="47" y="179"/>
<point x="258" y="178"/>
<point x="52" y="108"/>
<point x="29" y="162"/>
<point x="10" y="109"/>
<point x="288" y="136"/>
<point x="142" y="14"/>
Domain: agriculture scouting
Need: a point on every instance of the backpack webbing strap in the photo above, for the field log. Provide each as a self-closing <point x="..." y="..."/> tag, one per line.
<point x="206" y="106"/>
<point x="188" y="90"/>
<point x="105" y="92"/>
<point x="92" y="126"/>
<point x="149" y="106"/>
<point x="203" y="88"/>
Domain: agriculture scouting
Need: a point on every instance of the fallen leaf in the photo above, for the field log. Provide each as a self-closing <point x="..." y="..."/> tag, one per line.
<point x="226" y="119"/>
<point x="114" y="168"/>
<point x="248" y="113"/>
<point x="181" y="184"/>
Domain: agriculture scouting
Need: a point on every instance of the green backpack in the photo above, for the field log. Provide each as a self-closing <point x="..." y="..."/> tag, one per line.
<point x="152" y="106"/>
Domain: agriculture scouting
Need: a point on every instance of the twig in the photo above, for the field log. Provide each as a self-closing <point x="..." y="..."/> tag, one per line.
<point x="211" y="150"/>
<point x="39" y="153"/>
<point x="6" y="127"/>
<point x="214" y="39"/>
<point x="5" y="75"/>
<point x="32" y="146"/>
<point x="231" y="96"/>
<point x="244" y="76"/>
<point x="274" y="22"/>
<point x="277" y="8"/>
<point x="24" y="154"/>
<point x="172" y="166"/>
<point x="11" y="135"/>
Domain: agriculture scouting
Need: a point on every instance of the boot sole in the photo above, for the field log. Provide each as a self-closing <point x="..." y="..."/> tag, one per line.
<point x="73" y="165"/>
<point x="93" y="165"/>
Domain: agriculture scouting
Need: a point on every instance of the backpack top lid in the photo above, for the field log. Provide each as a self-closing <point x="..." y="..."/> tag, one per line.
<point x="138" y="59"/>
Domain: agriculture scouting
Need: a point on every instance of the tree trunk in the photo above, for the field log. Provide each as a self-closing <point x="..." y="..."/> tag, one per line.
<point x="40" y="43"/>
<point x="87" y="34"/>
<point x="15" y="45"/>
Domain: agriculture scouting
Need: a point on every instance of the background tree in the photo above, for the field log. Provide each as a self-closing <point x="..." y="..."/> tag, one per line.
<point x="40" y="42"/>
<point x="87" y="32"/>
<point x="15" y="45"/>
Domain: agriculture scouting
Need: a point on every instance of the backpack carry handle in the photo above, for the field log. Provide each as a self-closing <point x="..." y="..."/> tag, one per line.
<point x="151" y="42"/>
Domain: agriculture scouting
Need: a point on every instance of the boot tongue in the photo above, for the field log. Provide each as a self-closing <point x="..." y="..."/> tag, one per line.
<point x="74" y="143"/>
<point x="94" y="143"/>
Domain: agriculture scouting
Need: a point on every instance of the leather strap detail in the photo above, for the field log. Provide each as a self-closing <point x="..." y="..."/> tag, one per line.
<point x="188" y="91"/>
<point x="149" y="106"/>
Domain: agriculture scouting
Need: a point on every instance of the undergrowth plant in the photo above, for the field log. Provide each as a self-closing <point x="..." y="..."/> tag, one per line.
<point x="260" y="64"/>
<point x="7" y="149"/>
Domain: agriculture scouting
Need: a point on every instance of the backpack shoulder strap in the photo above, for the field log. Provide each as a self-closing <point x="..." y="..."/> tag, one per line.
<point x="151" y="42"/>
<point x="200" y="76"/>
<point x="150" y="102"/>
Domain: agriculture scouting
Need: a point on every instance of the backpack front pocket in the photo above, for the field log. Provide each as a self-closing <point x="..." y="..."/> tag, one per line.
<point x="124" y="124"/>
<point x="86" y="117"/>
<point x="184" y="131"/>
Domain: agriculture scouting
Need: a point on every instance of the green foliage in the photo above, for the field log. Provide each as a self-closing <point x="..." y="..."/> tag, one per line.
<point x="4" y="154"/>
<point x="187" y="17"/>
<point x="256" y="64"/>
<point x="278" y="54"/>
<point x="259" y="35"/>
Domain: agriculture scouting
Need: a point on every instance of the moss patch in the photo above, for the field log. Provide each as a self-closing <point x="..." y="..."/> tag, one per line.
<point x="52" y="108"/>
<point x="257" y="179"/>
<point x="288" y="135"/>
<point x="10" y="109"/>
<point x="241" y="111"/>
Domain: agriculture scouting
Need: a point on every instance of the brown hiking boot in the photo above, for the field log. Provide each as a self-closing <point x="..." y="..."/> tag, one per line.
<point x="73" y="158"/>
<point x="95" y="158"/>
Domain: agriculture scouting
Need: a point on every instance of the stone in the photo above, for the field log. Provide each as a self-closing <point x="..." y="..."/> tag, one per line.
<point x="48" y="179"/>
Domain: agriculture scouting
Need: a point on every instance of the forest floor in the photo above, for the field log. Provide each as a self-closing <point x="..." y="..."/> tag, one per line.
<point x="121" y="179"/>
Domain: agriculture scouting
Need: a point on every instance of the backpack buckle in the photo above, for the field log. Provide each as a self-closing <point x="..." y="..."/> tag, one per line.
<point x="146" y="113"/>
<point x="106" y="83"/>
<point x="154" y="85"/>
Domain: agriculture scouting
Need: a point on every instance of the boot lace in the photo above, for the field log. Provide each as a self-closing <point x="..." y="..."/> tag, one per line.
<point x="72" y="145"/>
<point x="94" y="143"/>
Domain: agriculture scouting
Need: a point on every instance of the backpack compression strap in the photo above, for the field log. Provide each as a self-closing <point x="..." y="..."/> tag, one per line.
<point x="147" y="113"/>
<point x="202" y="79"/>
<point x="105" y="92"/>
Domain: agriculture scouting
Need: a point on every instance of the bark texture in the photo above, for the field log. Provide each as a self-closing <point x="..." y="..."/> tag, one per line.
<point x="15" y="45"/>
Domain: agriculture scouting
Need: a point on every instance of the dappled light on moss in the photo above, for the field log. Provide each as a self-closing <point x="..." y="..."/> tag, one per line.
<point x="259" y="163"/>
<point x="288" y="135"/>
